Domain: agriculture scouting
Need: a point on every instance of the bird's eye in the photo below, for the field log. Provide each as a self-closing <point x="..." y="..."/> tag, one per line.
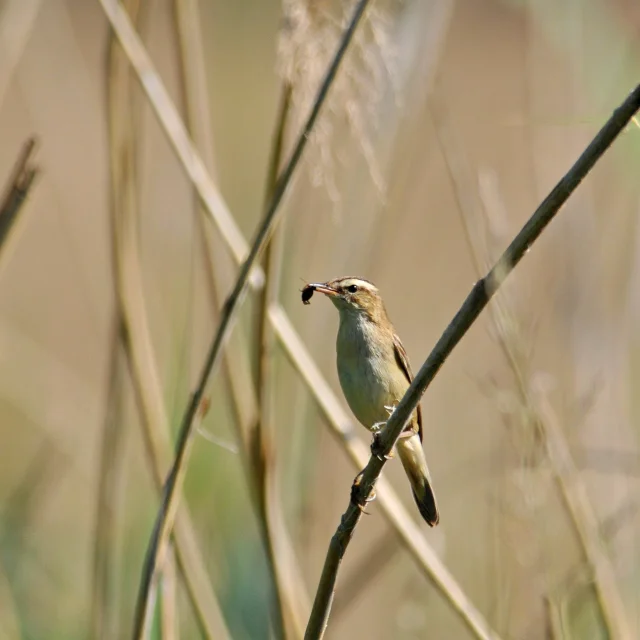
<point x="352" y="288"/>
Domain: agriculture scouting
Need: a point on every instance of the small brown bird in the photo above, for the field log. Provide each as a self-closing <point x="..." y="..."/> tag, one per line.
<point x="374" y="374"/>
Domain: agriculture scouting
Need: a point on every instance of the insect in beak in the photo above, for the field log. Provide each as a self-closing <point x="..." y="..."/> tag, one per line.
<point x="307" y="292"/>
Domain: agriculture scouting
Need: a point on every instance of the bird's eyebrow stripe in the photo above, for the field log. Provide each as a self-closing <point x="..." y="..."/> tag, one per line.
<point x="365" y="284"/>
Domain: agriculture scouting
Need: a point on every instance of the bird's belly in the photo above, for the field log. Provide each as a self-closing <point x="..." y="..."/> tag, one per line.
<point x="365" y="390"/>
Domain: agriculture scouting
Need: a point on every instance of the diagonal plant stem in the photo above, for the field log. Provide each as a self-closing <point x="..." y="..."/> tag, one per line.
<point x="471" y="308"/>
<point x="292" y="604"/>
<point x="164" y="523"/>
<point x="136" y="335"/>
<point x="545" y="424"/>
<point x="17" y="189"/>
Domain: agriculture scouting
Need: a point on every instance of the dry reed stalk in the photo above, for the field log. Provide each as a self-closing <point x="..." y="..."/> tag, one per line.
<point x="474" y="304"/>
<point x="169" y="625"/>
<point x="16" y="191"/>
<point x="137" y="340"/>
<point x="292" y="604"/>
<point x="477" y="211"/>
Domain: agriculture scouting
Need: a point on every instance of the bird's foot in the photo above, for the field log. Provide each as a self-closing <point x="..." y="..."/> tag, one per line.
<point x="377" y="427"/>
<point x="357" y="498"/>
<point x="390" y="408"/>
<point x="377" y="447"/>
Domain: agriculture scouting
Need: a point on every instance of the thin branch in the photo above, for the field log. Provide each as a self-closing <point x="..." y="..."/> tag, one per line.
<point x="173" y="488"/>
<point x="475" y="302"/>
<point x="17" y="189"/>
<point x="292" y="604"/>
<point x="137" y="340"/>
<point x="153" y="562"/>
<point x="544" y="422"/>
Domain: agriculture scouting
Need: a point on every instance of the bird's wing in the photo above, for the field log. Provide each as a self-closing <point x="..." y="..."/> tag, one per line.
<point x="403" y="361"/>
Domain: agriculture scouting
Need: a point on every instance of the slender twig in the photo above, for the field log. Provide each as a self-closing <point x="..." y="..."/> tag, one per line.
<point x="164" y="521"/>
<point x="17" y="189"/>
<point x="137" y="339"/>
<point x="475" y="302"/>
<point x="292" y="604"/>
<point x="543" y="421"/>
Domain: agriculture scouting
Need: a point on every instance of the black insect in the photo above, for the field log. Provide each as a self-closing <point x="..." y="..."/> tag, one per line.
<point x="307" y="292"/>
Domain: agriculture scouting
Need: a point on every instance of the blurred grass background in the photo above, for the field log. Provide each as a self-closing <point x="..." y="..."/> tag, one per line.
<point x="441" y="103"/>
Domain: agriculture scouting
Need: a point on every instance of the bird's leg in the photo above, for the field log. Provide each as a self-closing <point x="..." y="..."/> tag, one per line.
<point x="376" y="444"/>
<point x="356" y="497"/>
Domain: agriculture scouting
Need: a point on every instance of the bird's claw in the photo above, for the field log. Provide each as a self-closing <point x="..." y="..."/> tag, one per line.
<point x="377" y="427"/>
<point x="356" y="497"/>
<point x="377" y="447"/>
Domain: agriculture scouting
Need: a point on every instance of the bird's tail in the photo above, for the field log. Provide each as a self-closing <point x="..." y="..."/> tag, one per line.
<point x="412" y="457"/>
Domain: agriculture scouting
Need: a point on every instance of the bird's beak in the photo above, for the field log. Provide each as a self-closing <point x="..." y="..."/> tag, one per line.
<point x="323" y="287"/>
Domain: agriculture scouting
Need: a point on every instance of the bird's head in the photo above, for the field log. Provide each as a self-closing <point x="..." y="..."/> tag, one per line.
<point x="352" y="295"/>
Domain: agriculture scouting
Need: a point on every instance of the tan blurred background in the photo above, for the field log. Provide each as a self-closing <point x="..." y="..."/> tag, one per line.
<point x="450" y="121"/>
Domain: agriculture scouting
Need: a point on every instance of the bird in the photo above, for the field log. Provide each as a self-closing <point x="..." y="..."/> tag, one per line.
<point x="374" y="373"/>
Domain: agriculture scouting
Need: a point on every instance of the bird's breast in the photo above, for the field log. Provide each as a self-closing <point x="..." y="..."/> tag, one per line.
<point x="366" y="370"/>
